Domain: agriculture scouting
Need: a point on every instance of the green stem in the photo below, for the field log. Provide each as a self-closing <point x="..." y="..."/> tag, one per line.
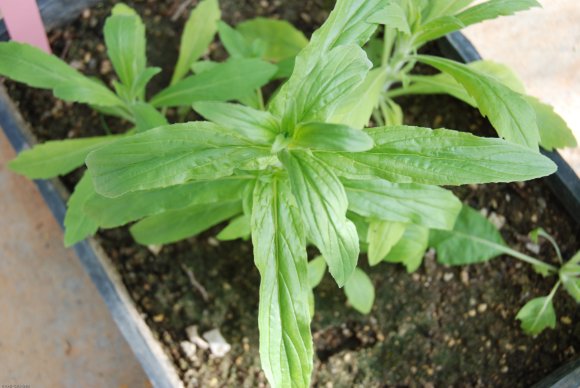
<point x="554" y="290"/>
<point x="530" y="260"/>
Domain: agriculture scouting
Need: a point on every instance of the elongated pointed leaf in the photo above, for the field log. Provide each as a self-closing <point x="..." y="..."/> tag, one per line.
<point x="537" y="315"/>
<point x="34" y="67"/>
<point x="230" y="80"/>
<point x="56" y="157"/>
<point x="113" y="212"/>
<point x="382" y="237"/>
<point x="258" y="126"/>
<point x="281" y="39"/>
<point x="77" y="225"/>
<point x="439" y="157"/>
<point x="509" y="112"/>
<point x="436" y="29"/>
<point x="392" y="16"/>
<point x="147" y="117"/>
<point x="411" y="248"/>
<point x="168" y="156"/>
<point x="239" y="227"/>
<point x="430" y="206"/>
<point x="175" y="225"/>
<point x="235" y="43"/>
<point x="360" y="291"/>
<point x="494" y="8"/>
<point x="331" y="137"/>
<point x="198" y="33"/>
<point x="449" y="20"/>
<point x="323" y="202"/>
<point x="438" y="8"/>
<point x="356" y="109"/>
<point x="346" y="25"/>
<point x="554" y="131"/>
<point x="473" y="240"/>
<point x="319" y="93"/>
<point x="125" y="39"/>
<point x="316" y="271"/>
<point x="280" y="255"/>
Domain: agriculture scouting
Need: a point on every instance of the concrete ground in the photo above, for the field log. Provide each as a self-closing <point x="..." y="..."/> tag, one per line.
<point x="55" y="330"/>
<point x="543" y="47"/>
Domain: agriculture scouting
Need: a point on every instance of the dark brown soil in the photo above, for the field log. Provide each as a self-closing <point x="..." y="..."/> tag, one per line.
<point x="438" y="327"/>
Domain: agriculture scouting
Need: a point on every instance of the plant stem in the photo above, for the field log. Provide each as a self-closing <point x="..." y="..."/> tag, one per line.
<point x="554" y="290"/>
<point x="528" y="259"/>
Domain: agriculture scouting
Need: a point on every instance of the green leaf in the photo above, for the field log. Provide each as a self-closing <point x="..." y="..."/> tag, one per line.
<point x="331" y="137"/>
<point x="494" y="8"/>
<point x="113" y="212"/>
<point x="282" y="40"/>
<point x="346" y="25"/>
<point x="473" y="240"/>
<point x="323" y="202"/>
<point x="437" y="28"/>
<point x="147" y="117"/>
<point x="508" y="111"/>
<point x="429" y="206"/>
<point x="356" y="109"/>
<point x="554" y="131"/>
<point x="280" y="255"/>
<point x="570" y="277"/>
<point x="410" y="249"/>
<point x="445" y="83"/>
<point x="77" y="225"/>
<point x="438" y="8"/>
<point x="34" y="67"/>
<point x="537" y="315"/>
<point x="360" y="291"/>
<point x="235" y="43"/>
<point x="258" y="126"/>
<point x="125" y="39"/>
<point x="168" y="156"/>
<point x="58" y="157"/>
<point x="382" y="237"/>
<point x="316" y="271"/>
<point x="321" y="91"/>
<point x="198" y="33"/>
<point x="439" y="157"/>
<point x="444" y="19"/>
<point x="392" y="16"/>
<point x="174" y="225"/>
<point x="237" y="228"/>
<point x="230" y="80"/>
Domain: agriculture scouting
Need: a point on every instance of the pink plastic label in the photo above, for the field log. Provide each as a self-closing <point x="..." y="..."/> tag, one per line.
<point x="23" y="22"/>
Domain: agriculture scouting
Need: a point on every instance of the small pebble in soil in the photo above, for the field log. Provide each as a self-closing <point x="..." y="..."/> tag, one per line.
<point x="534" y="248"/>
<point x="566" y="320"/>
<point x="448" y="276"/>
<point x="217" y="344"/>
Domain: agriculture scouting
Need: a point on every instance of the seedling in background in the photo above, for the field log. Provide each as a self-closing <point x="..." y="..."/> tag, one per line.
<point x="125" y="40"/>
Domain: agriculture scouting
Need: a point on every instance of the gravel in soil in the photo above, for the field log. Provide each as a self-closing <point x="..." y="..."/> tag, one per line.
<point x="438" y="326"/>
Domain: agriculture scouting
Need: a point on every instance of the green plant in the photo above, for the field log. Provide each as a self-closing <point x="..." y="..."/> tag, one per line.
<point x="301" y="175"/>
<point x="124" y="32"/>
<point x="299" y="170"/>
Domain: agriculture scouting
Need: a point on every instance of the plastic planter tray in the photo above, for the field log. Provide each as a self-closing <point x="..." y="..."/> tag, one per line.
<point x="147" y="349"/>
